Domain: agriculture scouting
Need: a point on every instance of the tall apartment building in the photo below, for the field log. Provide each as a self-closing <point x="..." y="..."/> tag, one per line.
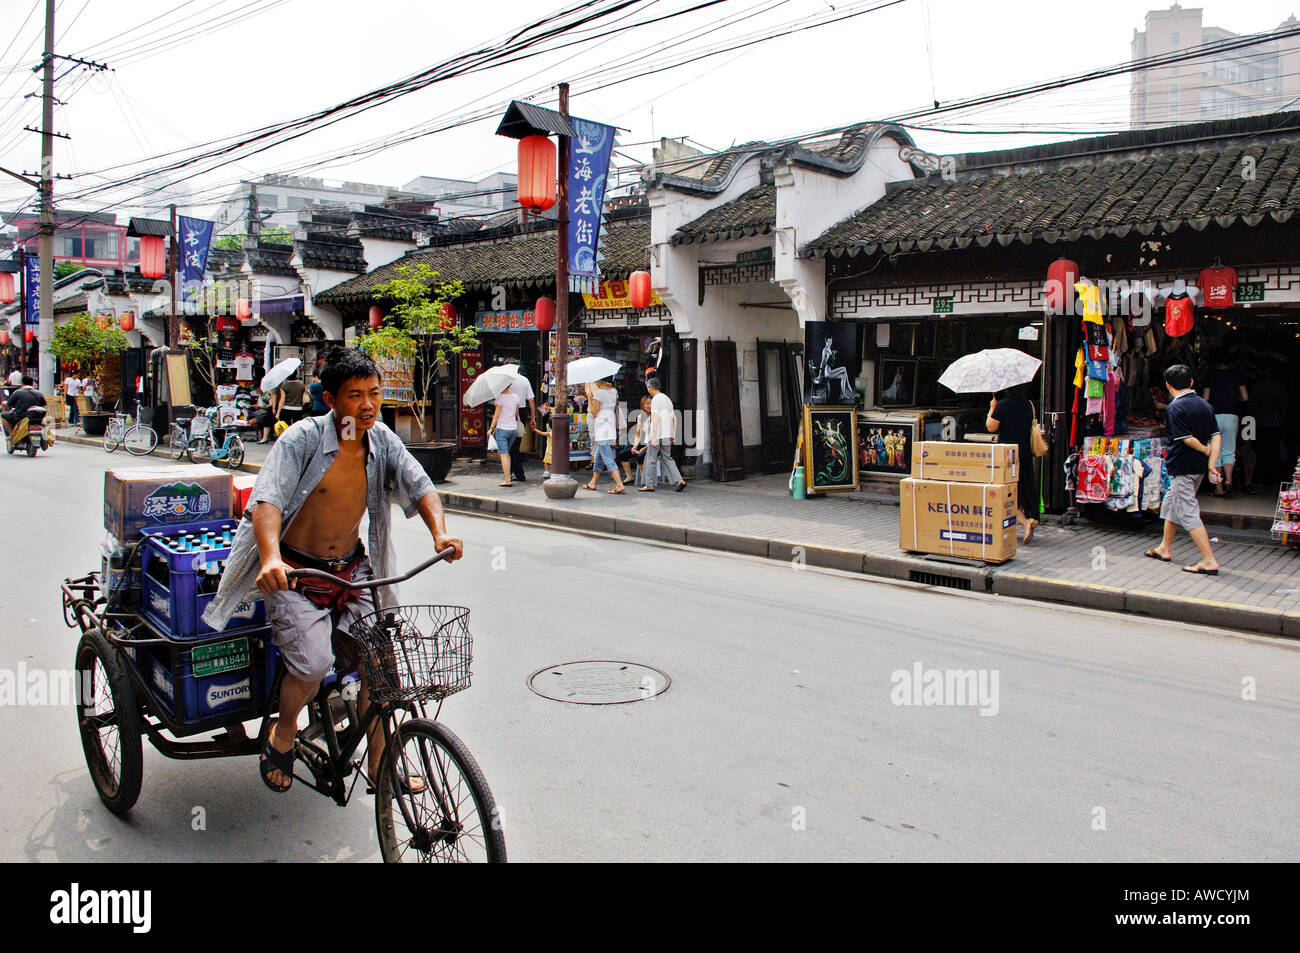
<point x="1257" y="79"/>
<point x="282" y="197"/>
<point x="457" y="197"/>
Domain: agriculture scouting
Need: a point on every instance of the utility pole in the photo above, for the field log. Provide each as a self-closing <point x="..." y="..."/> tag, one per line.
<point x="45" y="330"/>
<point x="22" y="326"/>
<point x="173" y="269"/>
<point x="561" y="485"/>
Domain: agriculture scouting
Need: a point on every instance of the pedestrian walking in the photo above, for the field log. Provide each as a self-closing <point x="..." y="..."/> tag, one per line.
<point x="317" y="392"/>
<point x="524" y="391"/>
<point x="1194" y="443"/>
<point x="1225" y="389"/>
<point x="72" y="389"/>
<point x="635" y="454"/>
<point x="602" y="410"/>
<point x="505" y="429"/>
<point x="663" y="433"/>
<point x="1011" y="416"/>
<point x="265" y="416"/>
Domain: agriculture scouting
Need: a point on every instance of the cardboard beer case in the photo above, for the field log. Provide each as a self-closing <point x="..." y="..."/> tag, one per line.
<point x="950" y="518"/>
<point x="137" y="497"/>
<point x="967" y="462"/>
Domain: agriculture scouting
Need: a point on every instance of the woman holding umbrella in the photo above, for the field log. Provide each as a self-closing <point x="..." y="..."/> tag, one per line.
<point x="1011" y="416"/>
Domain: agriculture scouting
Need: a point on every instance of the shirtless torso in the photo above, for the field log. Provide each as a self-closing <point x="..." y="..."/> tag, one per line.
<point x="329" y="522"/>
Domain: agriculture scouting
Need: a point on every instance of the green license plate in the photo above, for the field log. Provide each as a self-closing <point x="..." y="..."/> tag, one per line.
<point x="220" y="657"/>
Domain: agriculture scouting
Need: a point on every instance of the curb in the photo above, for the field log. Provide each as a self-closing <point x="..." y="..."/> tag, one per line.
<point x="934" y="573"/>
<point x="84" y="441"/>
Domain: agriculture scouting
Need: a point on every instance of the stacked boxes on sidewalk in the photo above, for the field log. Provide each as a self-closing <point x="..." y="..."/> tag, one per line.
<point x="961" y="501"/>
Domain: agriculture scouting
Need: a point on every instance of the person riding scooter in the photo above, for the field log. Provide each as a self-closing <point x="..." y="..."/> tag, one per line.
<point x="16" y="417"/>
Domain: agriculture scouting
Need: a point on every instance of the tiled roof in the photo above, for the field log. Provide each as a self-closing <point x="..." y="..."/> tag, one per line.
<point x="752" y="213"/>
<point x="75" y="305"/>
<point x="1167" y="178"/>
<point x="271" y="259"/>
<point x="225" y="259"/>
<point x="376" y="221"/>
<point x="151" y="227"/>
<point x="334" y="252"/>
<point x="529" y="262"/>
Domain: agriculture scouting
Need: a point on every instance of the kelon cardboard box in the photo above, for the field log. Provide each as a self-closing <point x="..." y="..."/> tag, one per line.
<point x="155" y="496"/>
<point x="966" y="462"/>
<point x="947" y="518"/>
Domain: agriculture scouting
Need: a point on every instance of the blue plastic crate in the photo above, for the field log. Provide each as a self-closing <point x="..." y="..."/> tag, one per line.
<point x="172" y="581"/>
<point x="216" y="681"/>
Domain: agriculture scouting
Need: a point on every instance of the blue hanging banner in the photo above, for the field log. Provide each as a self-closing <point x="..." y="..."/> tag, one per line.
<point x="196" y="239"/>
<point x="588" y="169"/>
<point x="32" y="288"/>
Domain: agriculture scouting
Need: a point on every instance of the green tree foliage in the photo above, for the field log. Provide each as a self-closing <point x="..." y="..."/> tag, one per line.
<point x="64" y="268"/>
<point x="81" y="340"/>
<point x="417" y="327"/>
<point x="271" y="235"/>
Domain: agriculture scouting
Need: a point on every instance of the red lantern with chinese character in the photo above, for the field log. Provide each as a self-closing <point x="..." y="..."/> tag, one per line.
<point x="29" y="337"/>
<point x="153" y="256"/>
<point x="638" y="284"/>
<point x="536" y="173"/>
<point x="4" y="337"/>
<point x="1059" y="290"/>
<point x="128" y="322"/>
<point x="243" y="309"/>
<point x="448" y="316"/>
<point x="6" y="288"/>
<point x="544" y="314"/>
<point x="376" y="317"/>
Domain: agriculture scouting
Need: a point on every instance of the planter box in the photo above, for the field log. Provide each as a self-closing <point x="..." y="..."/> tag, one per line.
<point x="95" y="424"/>
<point x="435" y="458"/>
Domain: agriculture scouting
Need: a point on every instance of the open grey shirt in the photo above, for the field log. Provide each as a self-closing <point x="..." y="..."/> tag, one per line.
<point x="293" y="469"/>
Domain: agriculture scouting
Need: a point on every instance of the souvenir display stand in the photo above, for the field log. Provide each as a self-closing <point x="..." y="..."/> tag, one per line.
<point x="579" y="440"/>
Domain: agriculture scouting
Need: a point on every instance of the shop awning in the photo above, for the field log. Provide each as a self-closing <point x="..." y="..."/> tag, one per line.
<point x="285" y="304"/>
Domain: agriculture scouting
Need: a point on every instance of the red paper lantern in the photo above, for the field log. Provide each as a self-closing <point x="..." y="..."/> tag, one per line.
<point x="153" y="256"/>
<point x="639" y="292"/>
<point x="29" y="337"/>
<point x="128" y="322"/>
<point x="243" y="309"/>
<point x="4" y="337"/>
<point x="544" y="314"/>
<point x="1059" y="289"/>
<point x="536" y="173"/>
<point x="376" y="316"/>
<point x="6" y="287"/>
<point x="101" y="321"/>
<point x="448" y="316"/>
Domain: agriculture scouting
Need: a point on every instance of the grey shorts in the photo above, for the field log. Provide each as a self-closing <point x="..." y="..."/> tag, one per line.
<point x="303" y="631"/>
<point x="1180" y="505"/>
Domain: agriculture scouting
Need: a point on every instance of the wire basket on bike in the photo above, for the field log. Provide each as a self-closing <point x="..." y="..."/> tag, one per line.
<point x="411" y="653"/>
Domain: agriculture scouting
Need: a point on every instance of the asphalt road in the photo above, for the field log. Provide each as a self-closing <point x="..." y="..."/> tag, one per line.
<point x="1114" y="738"/>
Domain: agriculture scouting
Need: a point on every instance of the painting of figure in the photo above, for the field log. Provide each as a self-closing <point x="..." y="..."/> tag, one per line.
<point x="831" y="451"/>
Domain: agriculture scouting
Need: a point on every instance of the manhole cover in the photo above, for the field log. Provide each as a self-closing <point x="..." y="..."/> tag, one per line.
<point x="599" y="682"/>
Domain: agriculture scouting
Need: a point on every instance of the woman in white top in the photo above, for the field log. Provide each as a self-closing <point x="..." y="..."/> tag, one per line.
<point x="505" y="427"/>
<point x="602" y="420"/>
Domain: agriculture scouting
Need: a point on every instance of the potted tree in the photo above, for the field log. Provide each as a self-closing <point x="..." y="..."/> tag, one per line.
<point x="87" y="340"/>
<point x="419" y="339"/>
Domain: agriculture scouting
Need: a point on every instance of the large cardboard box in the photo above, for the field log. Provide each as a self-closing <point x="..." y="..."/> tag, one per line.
<point x="948" y="518"/>
<point x="157" y="496"/>
<point x="967" y="462"/>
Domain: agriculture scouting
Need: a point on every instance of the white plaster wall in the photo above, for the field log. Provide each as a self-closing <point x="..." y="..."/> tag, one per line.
<point x="381" y="251"/>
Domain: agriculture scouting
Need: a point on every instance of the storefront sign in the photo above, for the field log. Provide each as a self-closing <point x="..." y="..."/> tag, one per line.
<point x="943" y="305"/>
<point x="1029" y="333"/>
<point x="1250" y="291"/>
<point x="588" y="168"/>
<point x="614" y="294"/>
<point x="32" y="288"/>
<point x="757" y="256"/>
<point x="471" y="418"/>
<point x="512" y="321"/>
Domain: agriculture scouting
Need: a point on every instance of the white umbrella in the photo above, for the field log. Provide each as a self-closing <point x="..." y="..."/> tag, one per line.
<point x="585" y="370"/>
<point x="491" y="383"/>
<point x="990" y="370"/>
<point x="280" y="373"/>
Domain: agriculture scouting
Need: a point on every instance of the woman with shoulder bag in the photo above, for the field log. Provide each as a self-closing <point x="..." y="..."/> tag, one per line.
<point x="1013" y="418"/>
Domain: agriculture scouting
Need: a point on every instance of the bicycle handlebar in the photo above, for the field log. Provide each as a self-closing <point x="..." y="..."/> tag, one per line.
<point x="371" y="583"/>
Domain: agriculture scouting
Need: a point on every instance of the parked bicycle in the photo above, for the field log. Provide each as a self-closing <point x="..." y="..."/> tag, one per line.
<point x="131" y="432"/>
<point x="194" y="438"/>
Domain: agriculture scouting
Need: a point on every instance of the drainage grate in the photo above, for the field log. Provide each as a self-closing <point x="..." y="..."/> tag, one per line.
<point x="935" y="579"/>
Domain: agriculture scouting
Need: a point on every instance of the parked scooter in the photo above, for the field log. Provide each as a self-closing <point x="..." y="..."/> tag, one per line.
<point x="30" y="434"/>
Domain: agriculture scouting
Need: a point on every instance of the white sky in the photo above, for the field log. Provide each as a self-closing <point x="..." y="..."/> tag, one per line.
<point x="293" y="56"/>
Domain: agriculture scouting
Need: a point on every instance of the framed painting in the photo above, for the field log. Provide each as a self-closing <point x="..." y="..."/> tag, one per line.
<point x="896" y="383"/>
<point x="830" y="448"/>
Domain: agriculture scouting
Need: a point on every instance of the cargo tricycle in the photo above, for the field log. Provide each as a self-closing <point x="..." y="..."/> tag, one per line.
<point x="148" y="666"/>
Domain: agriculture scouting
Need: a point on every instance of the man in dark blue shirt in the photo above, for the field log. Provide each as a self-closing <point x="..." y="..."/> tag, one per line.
<point x="1194" y="442"/>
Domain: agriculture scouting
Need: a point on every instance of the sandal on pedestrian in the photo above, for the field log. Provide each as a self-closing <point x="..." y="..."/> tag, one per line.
<point x="404" y="783"/>
<point x="615" y="491"/>
<point x="275" y="760"/>
<point x="681" y="485"/>
<point x="1152" y="554"/>
<point x="505" y="484"/>
<point x="646" y="489"/>
<point x="1198" y="571"/>
<point x="1029" y="529"/>
<point x="588" y="486"/>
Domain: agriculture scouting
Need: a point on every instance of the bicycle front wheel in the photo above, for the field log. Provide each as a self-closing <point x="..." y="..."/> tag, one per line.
<point x="199" y="450"/>
<point x="113" y="434"/>
<point x="177" y="442"/>
<point x="140" y="440"/>
<point x="235" y="456"/>
<point x="452" y="819"/>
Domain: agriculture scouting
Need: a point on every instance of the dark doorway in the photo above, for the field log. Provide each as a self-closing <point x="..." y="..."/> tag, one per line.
<point x="779" y="401"/>
<point x="724" y="411"/>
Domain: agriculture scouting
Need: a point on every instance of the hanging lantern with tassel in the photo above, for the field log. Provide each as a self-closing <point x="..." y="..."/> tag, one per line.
<point x="544" y="314"/>
<point x="153" y="256"/>
<point x="6" y="288"/>
<point x="639" y="291"/>
<point x="127" y="323"/>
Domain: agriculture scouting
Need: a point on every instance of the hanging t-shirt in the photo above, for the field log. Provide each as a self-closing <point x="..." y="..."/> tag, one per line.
<point x="1220" y="285"/>
<point x="244" y="366"/>
<point x="1178" y="315"/>
<point x="1090" y="295"/>
<point x="1094" y="479"/>
<point x="1098" y="344"/>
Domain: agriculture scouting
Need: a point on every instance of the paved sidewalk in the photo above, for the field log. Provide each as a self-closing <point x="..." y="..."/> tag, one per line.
<point x="1258" y="589"/>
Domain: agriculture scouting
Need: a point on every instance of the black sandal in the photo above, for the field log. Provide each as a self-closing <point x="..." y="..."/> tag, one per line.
<point x="274" y="760"/>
